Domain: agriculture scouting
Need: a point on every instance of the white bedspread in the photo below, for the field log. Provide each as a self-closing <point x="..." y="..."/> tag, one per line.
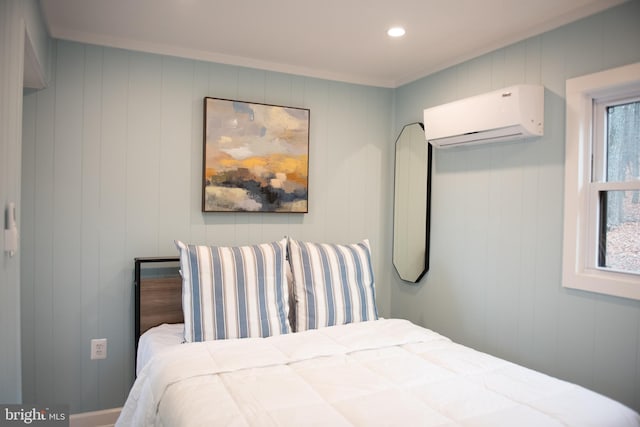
<point x="156" y="340"/>
<point x="379" y="373"/>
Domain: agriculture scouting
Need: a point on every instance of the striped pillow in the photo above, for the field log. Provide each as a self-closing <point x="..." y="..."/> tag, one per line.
<point x="234" y="292"/>
<point x="333" y="284"/>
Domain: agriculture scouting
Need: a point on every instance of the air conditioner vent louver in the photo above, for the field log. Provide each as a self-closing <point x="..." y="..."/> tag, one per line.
<point x="512" y="113"/>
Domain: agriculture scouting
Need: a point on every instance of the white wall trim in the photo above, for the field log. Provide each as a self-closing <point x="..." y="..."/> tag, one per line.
<point x="106" y="417"/>
<point x="578" y="271"/>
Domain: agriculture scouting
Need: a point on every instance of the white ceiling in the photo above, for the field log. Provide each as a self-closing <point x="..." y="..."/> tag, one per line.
<point x="334" y="39"/>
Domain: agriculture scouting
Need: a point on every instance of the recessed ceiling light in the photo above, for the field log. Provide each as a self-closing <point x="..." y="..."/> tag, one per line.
<point x="396" y="32"/>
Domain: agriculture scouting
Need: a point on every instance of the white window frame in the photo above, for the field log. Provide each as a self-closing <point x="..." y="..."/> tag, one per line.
<point x="579" y="265"/>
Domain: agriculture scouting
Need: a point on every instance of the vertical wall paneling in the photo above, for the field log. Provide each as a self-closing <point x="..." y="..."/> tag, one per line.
<point x="337" y="175"/>
<point x="114" y="151"/>
<point x="174" y="153"/>
<point x="143" y="188"/>
<point x="529" y="226"/>
<point x="617" y="30"/>
<point x="317" y="94"/>
<point x="477" y="201"/>
<point x="90" y="214"/>
<point x="357" y="176"/>
<point x="143" y="171"/>
<point x="20" y="23"/>
<point x="505" y="224"/>
<point x="27" y="236"/>
<point x="67" y="152"/>
<point x="11" y="66"/>
<point x="614" y="354"/>
<point x="496" y="257"/>
<point x="42" y="252"/>
<point x="115" y="265"/>
<point x="199" y="89"/>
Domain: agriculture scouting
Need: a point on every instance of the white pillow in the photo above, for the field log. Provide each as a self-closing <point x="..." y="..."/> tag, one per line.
<point x="333" y="284"/>
<point x="234" y="292"/>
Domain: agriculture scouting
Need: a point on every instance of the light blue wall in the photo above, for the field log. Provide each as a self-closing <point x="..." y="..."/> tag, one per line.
<point x="112" y="170"/>
<point x="17" y="18"/>
<point x="496" y="248"/>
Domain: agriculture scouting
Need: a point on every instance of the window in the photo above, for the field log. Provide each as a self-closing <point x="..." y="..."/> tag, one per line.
<point x="616" y="183"/>
<point x="602" y="183"/>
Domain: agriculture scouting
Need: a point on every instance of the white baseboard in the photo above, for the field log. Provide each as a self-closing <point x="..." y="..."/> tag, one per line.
<point x="102" y="418"/>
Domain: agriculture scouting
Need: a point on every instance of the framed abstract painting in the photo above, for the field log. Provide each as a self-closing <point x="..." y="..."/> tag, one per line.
<point x="256" y="157"/>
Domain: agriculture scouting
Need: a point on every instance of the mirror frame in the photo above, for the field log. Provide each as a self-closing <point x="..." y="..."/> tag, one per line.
<point x="427" y="201"/>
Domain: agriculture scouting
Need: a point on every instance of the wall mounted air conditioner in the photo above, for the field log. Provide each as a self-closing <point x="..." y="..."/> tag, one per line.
<point x="503" y="115"/>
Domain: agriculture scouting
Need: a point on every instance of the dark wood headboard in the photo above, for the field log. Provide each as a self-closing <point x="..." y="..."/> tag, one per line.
<point x="158" y="300"/>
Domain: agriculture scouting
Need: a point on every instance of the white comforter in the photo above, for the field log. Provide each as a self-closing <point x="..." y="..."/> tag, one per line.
<point x="379" y="373"/>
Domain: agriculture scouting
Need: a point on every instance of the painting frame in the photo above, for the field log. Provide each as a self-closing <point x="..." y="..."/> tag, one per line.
<point x="255" y="157"/>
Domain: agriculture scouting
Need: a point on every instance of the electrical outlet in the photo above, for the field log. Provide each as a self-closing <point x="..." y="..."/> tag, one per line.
<point x="99" y="348"/>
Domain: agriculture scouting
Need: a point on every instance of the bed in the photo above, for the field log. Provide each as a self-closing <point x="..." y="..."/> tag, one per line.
<point x="299" y="342"/>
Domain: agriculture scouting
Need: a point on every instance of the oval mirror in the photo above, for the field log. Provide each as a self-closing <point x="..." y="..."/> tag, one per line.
<point x="412" y="203"/>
